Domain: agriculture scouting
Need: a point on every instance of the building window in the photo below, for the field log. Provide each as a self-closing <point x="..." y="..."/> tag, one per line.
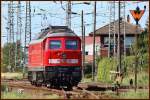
<point x="106" y="41"/>
<point x="86" y="53"/>
<point x="129" y="41"/>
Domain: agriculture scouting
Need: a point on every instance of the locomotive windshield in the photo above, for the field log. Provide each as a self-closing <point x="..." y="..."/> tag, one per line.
<point x="71" y="44"/>
<point x="55" y="44"/>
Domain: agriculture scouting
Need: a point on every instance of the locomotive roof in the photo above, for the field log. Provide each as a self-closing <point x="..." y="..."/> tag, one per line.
<point x="60" y="34"/>
<point x="53" y="29"/>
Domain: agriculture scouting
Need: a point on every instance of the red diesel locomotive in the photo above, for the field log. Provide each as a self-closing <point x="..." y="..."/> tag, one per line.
<point x="55" y="59"/>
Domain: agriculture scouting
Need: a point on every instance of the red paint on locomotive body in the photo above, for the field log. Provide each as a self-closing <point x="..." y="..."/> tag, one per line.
<point x="42" y="55"/>
<point x="55" y="59"/>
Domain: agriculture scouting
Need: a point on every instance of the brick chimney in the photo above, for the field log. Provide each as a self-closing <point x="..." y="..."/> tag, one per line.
<point x="128" y="19"/>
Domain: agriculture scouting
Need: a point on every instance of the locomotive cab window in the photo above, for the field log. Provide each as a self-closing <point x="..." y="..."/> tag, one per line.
<point x="55" y="44"/>
<point x="71" y="44"/>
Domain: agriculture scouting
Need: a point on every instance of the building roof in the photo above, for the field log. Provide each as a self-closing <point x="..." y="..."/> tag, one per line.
<point x="130" y="28"/>
<point x="89" y="40"/>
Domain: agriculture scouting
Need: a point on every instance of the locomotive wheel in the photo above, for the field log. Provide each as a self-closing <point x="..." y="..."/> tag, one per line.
<point x="48" y="85"/>
<point x="69" y="87"/>
<point x="38" y="84"/>
<point x="32" y="83"/>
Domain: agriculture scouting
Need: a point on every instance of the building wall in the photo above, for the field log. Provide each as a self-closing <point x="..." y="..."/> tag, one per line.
<point x="89" y="49"/>
<point x="104" y="47"/>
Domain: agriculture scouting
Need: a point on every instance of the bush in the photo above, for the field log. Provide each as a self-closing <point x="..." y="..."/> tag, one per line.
<point x="104" y="68"/>
<point x="129" y="64"/>
<point x="88" y="69"/>
<point x="144" y="61"/>
<point x="3" y="87"/>
<point x="88" y="75"/>
<point x="107" y="64"/>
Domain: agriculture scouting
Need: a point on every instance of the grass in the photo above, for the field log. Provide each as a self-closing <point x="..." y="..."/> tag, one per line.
<point x="86" y="80"/>
<point x="139" y="94"/>
<point x="15" y="95"/>
<point x="25" y="95"/>
<point x="11" y="75"/>
<point x="142" y="79"/>
<point x="131" y="94"/>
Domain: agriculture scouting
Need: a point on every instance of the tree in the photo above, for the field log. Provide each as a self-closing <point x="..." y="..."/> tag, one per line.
<point x="8" y="56"/>
<point x="142" y="41"/>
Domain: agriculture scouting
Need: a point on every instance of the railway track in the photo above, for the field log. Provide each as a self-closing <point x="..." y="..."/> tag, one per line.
<point x="27" y="87"/>
<point x="75" y="93"/>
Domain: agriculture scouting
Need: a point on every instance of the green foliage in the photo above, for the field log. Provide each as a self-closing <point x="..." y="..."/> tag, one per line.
<point x="143" y="42"/>
<point x="104" y="68"/>
<point x="142" y="80"/>
<point x="129" y="61"/>
<point x="130" y="94"/>
<point x="13" y="95"/>
<point x="3" y="87"/>
<point x="88" y="75"/>
<point x="109" y="64"/>
<point x="144" y="61"/>
<point x="140" y="94"/>
<point x="10" y="48"/>
<point x="88" y="69"/>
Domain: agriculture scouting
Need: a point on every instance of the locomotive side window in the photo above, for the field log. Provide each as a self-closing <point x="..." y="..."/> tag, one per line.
<point x="71" y="44"/>
<point x="55" y="44"/>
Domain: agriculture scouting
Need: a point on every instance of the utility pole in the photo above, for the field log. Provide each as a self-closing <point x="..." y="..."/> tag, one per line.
<point x="68" y="14"/>
<point x="11" y="34"/>
<point x="84" y="46"/>
<point x="109" y="32"/>
<point x="111" y="27"/>
<point x="18" y="35"/>
<point x="19" y="31"/>
<point x="119" y="47"/>
<point x="82" y="27"/>
<point x="137" y="14"/>
<point x="94" y="28"/>
<point x="124" y="12"/>
<point x="114" y="31"/>
<point x="27" y="32"/>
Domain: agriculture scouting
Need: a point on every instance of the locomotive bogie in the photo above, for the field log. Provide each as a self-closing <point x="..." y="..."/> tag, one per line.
<point x="56" y="76"/>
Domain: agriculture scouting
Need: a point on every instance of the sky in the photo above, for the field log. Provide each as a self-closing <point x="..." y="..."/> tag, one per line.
<point x="57" y="16"/>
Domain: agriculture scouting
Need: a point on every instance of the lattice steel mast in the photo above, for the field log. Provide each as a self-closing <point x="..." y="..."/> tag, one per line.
<point x="11" y="34"/>
<point x="111" y="27"/>
<point x="18" y="55"/>
<point x="68" y="14"/>
<point x="27" y="29"/>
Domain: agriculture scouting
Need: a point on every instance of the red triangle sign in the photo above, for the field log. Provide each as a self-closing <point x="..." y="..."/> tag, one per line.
<point x="137" y="15"/>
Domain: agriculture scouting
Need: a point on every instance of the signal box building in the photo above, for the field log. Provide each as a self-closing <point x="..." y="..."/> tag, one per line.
<point x="103" y="35"/>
